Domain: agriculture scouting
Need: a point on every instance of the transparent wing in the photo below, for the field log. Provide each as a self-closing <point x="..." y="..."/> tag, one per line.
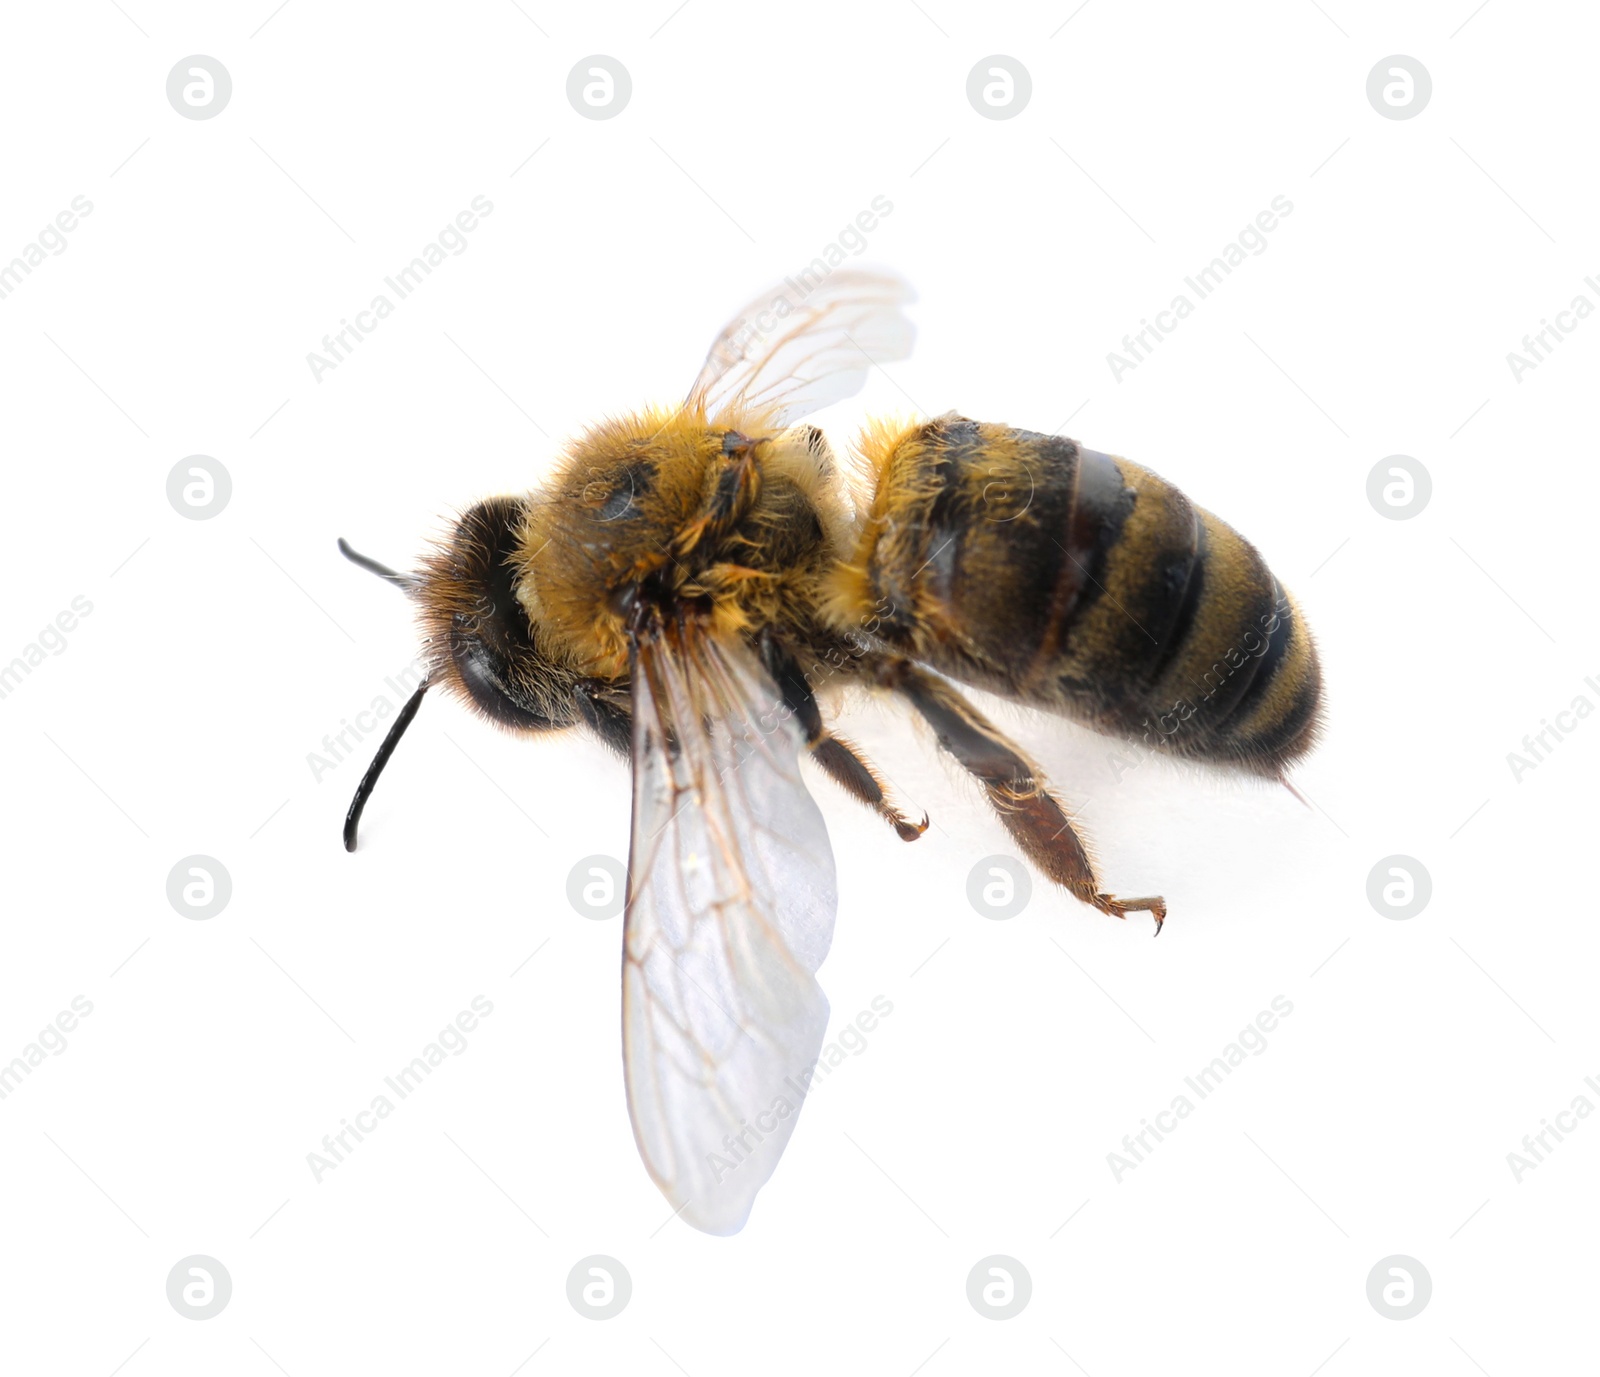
<point x="731" y="902"/>
<point x="794" y="350"/>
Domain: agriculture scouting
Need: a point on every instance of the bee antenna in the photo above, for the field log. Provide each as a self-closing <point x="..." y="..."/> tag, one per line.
<point x="369" y="781"/>
<point x="405" y="582"/>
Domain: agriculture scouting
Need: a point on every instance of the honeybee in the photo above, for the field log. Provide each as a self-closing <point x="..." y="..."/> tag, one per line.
<point x="690" y="581"/>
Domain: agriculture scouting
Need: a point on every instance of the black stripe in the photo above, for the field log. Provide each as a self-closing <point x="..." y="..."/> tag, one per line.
<point x="1264" y="666"/>
<point x="949" y="515"/>
<point x="1157" y="602"/>
<point x="1216" y="702"/>
<point x="1274" y="742"/>
<point x="1036" y="560"/>
<point x="1099" y="511"/>
<point x="1194" y="592"/>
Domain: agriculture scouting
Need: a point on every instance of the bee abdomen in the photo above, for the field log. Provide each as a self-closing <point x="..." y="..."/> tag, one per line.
<point x="1080" y="582"/>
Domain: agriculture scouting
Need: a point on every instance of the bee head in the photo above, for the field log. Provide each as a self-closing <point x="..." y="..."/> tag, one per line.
<point x="483" y="644"/>
<point x="481" y="641"/>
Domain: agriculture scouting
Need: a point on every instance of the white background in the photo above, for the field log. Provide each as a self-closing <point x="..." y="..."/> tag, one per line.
<point x="180" y="715"/>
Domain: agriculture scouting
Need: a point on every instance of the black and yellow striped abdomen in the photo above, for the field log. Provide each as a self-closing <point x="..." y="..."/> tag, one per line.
<point x="1075" y="581"/>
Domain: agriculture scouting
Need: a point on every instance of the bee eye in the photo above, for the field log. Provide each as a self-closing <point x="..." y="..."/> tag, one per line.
<point x="485" y="667"/>
<point x="491" y="646"/>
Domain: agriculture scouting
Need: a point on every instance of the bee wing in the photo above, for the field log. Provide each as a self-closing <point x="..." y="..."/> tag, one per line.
<point x="731" y="902"/>
<point x="792" y="351"/>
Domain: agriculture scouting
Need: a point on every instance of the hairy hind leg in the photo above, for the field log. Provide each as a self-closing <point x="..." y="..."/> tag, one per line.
<point x="1034" y="817"/>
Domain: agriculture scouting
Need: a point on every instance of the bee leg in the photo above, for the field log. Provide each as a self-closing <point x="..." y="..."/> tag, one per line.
<point x="852" y="774"/>
<point x="837" y="758"/>
<point x="1035" y="818"/>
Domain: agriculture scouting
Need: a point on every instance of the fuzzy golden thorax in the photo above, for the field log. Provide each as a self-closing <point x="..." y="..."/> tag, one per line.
<point x="735" y="521"/>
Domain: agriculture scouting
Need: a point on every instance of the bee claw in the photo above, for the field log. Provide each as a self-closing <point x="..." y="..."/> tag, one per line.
<point x="1155" y="906"/>
<point x="909" y="831"/>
